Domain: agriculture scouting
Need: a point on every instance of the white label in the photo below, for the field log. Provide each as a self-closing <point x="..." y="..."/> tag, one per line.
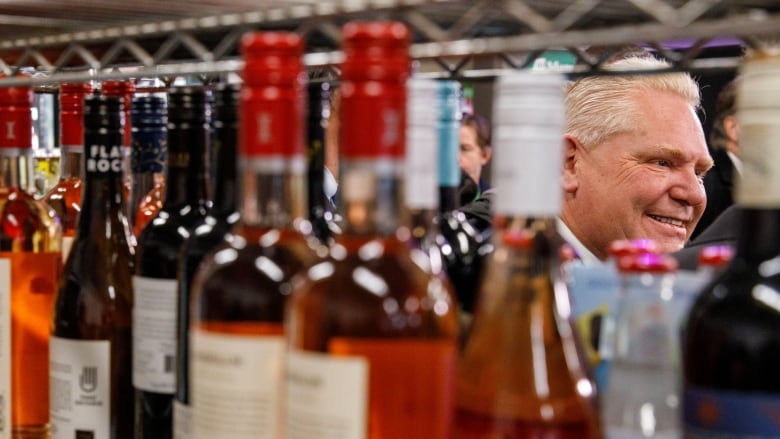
<point x="67" y="243"/>
<point x="182" y="420"/>
<point x="759" y="184"/>
<point x="422" y="170"/>
<point x="237" y="385"/>
<point x="154" y="334"/>
<point x="527" y="174"/>
<point x="327" y="396"/>
<point x="80" y="388"/>
<point x="5" y="349"/>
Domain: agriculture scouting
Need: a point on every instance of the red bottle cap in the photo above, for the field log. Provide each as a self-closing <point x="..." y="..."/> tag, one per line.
<point x="16" y="117"/>
<point x="373" y="91"/>
<point x="624" y="247"/>
<point x="124" y="90"/>
<point x="521" y="239"/>
<point x="72" y="113"/>
<point x="271" y="110"/>
<point x="647" y="263"/>
<point x="716" y="255"/>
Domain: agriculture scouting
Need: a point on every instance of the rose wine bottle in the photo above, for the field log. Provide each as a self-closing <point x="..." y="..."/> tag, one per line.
<point x="65" y="196"/>
<point x="30" y="264"/>
<point x="522" y="373"/>
<point x="372" y="333"/>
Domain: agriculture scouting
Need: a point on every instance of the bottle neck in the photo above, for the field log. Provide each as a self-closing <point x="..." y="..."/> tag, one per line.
<point x="372" y="198"/>
<point x="759" y="236"/>
<point x="273" y="192"/>
<point x="16" y="168"/>
<point x="103" y="198"/>
<point x="187" y="166"/>
<point x="225" y="175"/>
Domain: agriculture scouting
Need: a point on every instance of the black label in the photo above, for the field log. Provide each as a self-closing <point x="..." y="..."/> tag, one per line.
<point x="103" y="159"/>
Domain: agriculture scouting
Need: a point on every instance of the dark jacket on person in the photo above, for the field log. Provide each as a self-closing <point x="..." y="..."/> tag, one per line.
<point x="719" y="184"/>
<point x="723" y="230"/>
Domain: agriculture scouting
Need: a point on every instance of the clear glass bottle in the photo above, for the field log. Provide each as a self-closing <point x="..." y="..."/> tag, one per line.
<point x="643" y="396"/>
<point x="731" y="350"/>
<point x="157" y="259"/>
<point x="30" y="265"/>
<point x="372" y="333"/>
<point x="65" y="196"/>
<point x="522" y="373"/>
<point x="239" y="293"/>
<point x="148" y="117"/>
<point x="205" y="235"/>
<point x="91" y="343"/>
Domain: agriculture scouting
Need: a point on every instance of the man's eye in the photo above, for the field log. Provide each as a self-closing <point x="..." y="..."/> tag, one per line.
<point x="664" y="163"/>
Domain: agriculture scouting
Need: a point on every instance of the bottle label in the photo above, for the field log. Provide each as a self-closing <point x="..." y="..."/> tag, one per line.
<point x="80" y="388"/>
<point x="711" y="414"/>
<point x="237" y="385"/>
<point x="154" y="334"/>
<point x="420" y="185"/>
<point x="449" y="150"/>
<point x="103" y="160"/>
<point x="182" y="420"/>
<point x="327" y="396"/>
<point x="28" y="283"/>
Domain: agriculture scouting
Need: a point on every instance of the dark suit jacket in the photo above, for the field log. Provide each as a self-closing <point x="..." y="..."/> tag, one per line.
<point x="723" y="230"/>
<point x="718" y="183"/>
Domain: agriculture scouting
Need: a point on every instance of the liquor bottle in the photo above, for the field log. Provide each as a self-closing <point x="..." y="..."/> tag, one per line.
<point x="643" y="396"/>
<point x="91" y="343"/>
<point x="372" y="333"/>
<point x="125" y="91"/>
<point x="241" y="288"/>
<point x="713" y="259"/>
<point x="206" y="234"/>
<point x="30" y="264"/>
<point x="148" y="117"/>
<point x="65" y="196"/>
<point x="320" y="206"/>
<point x="522" y="373"/>
<point x="732" y="342"/>
<point x="155" y="302"/>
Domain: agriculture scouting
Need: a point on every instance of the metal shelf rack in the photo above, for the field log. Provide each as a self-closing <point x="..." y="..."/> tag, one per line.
<point x="72" y="40"/>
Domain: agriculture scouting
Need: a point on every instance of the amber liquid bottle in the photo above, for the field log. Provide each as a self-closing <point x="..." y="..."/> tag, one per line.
<point x="204" y="236"/>
<point x="148" y="116"/>
<point x="372" y="333"/>
<point x="30" y="264"/>
<point x="240" y="291"/>
<point x="65" y="196"/>
<point x="522" y="373"/>
<point x="91" y="343"/>
<point x="157" y="258"/>
<point x="731" y="350"/>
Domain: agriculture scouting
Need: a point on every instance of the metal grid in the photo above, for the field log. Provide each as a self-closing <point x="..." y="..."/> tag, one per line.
<point x="78" y="39"/>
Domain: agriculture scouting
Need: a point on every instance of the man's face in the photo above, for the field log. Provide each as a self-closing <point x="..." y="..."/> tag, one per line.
<point x="641" y="184"/>
<point x="472" y="157"/>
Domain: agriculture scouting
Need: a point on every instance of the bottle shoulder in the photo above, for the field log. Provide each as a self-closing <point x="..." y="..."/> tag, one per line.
<point x="27" y="224"/>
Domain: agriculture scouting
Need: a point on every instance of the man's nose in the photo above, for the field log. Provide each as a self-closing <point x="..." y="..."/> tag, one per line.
<point x="689" y="189"/>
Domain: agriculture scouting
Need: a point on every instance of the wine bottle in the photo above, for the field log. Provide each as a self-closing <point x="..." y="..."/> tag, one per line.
<point x="148" y="117"/>
<point x="240" y="291"/>
<point x="157" y="257"/>
<point x="732" y="341"/>
<point x="206" y="234"/>
<point x="65" y="196"/>
<point x="30" y="264"/>
<point x="372" y="333"/>
<point x="522" y="373"/>
<point x="91" y="343"/>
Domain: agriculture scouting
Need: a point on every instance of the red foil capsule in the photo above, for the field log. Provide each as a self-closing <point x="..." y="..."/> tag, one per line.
<point x="72" y="113"/>
<point x="16" y="117"/>
<point x="373" y="91"/>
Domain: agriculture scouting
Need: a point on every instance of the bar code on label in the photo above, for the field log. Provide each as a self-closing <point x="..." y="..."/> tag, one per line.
<point x="170" y="363"/>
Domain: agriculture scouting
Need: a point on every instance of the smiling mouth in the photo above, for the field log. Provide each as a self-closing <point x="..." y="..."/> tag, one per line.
<point x="667" y="220"/>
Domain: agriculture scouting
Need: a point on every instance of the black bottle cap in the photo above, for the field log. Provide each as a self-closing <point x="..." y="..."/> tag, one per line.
<point x="148" y="111"/>
<point x="226" y="102"/>
<point x="102" y="111"/>
<point x="188" y="104"/>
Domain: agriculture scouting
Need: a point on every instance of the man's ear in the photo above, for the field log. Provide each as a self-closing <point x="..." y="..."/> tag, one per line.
<point x="487" y="152"/>
<point x="731" y="128"/>
<point x="572" y="149"/>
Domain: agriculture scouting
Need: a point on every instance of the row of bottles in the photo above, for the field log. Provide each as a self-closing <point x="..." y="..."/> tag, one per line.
<point x="228" y="314"/>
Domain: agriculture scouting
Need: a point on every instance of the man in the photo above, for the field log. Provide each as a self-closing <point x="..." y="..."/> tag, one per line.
<point x="634" y="158"/>
<point x="724" y="143"/>
<point x="475" y="153"/>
